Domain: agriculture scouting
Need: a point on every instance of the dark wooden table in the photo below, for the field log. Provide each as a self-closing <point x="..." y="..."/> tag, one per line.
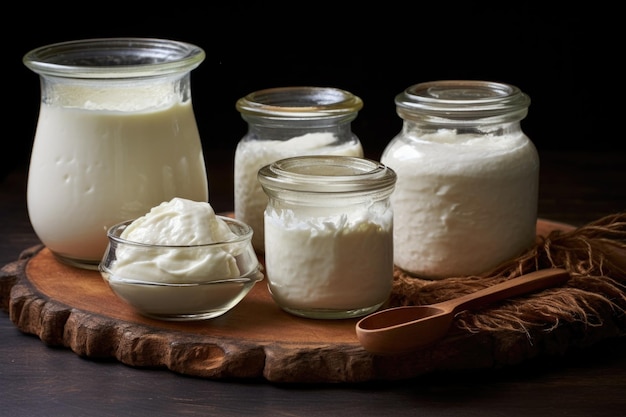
<point x="37" y="380"/>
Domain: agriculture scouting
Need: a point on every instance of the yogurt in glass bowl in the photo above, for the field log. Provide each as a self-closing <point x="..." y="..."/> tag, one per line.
<point x="181" y="261"/>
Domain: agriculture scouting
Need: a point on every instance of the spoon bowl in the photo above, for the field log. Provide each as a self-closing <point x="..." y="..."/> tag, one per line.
<point x="405" y="329"/>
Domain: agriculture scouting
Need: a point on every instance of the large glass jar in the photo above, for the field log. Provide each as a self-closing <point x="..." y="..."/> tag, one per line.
<point x="286" y="122"/>
<point x="116" y="135"/>
<point x="467" y="189"/>
<point x="328" y="235"/>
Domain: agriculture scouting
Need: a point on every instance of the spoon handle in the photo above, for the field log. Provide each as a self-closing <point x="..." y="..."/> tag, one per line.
<point x="524" y="284"/>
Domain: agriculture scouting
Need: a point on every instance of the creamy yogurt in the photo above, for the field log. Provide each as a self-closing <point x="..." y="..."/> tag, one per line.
<point x="463" y="203"/>
<point x="181" y="262"/>
<point x="252" y="155"/>
<point x="328" y="235"/>
<point x="178" y="222"/>
<point x="338" y="262"/>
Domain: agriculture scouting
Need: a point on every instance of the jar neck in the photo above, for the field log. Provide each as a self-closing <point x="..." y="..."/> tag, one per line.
<point x="128" y="94"/>
<point x="284" y="129"/>
<point x="117" y="74"/>
<point x="287" y="112"/>
<point x="340" y="180"/>
<point x="423" y="129"/>
<point x="459" y="104"/>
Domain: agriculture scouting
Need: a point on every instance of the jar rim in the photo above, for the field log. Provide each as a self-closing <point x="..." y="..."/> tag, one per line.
<point x="299" y="102"/>
<point x="114" y="58"/>
<point x="457" y="100"/>
<point x="327" y="174"/>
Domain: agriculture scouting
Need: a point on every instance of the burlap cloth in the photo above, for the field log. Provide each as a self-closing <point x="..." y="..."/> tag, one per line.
<point x="595" y="295"/>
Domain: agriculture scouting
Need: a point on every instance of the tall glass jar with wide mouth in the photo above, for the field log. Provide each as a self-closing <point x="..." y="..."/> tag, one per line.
<point x="466" y="196"/>
<point x="286" y="122"/>
<point x="116" y="135"/>
<point x="328" y="235"/>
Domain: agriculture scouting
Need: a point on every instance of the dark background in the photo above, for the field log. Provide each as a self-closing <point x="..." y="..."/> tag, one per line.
<point x="568" y="60"/>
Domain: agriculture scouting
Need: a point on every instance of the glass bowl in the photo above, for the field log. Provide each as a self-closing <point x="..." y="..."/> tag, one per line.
<point x="192" y="282"/>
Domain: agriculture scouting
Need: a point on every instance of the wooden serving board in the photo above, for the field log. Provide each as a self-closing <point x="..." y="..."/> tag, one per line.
<point x="74" y="308"/>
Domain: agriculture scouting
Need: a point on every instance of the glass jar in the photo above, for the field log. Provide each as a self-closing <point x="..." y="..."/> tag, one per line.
<point x="328" y="235"/>
<point x="286" y="122"/>
<point x="116" y="136"/>
<point x="467" y="189"/>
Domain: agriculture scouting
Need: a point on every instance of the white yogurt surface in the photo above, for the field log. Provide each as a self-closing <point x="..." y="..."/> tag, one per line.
<point x="250" y="156"/>
<point x="177" y="222"/>
<point x="462" y="203"/>
<point x="337" y="262"/>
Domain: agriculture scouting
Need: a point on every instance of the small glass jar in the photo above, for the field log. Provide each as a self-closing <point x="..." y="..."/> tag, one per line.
<point x="328" y="235"/>
<point x="467" y="189"/>
<point x="116" y="136"/>
<point x="286" y="122"/>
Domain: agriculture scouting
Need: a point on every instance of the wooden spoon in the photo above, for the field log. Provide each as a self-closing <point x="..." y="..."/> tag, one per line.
<point x="405" y="329"/>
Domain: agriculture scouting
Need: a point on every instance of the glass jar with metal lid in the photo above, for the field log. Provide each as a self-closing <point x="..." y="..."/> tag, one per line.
<point x="286" y="122"/>
<point x="467" y="189"/>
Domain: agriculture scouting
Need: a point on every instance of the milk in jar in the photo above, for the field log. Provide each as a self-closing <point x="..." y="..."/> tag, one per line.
<point x="116" y="135"/>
